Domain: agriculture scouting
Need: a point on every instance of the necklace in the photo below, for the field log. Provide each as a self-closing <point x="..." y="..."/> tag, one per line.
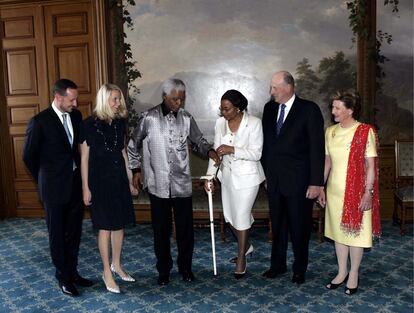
<point x="107" y="147"/>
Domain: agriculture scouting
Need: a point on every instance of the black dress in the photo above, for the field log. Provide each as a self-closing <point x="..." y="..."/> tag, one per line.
<point x="112" y="207"/>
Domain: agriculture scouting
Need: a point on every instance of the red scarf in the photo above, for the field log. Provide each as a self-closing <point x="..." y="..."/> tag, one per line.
<point x="355" y="185"/>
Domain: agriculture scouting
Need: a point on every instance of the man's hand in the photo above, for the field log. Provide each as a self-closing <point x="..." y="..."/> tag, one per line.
<point x="322" y="198"/>
<point x="136" y="181"/>
<point x="134" y="191"/>
<point x="313" y="191"/>
<point x="212" y="154"/>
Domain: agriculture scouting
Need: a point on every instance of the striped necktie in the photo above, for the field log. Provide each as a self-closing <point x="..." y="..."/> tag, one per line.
<point x="279" y="122"/>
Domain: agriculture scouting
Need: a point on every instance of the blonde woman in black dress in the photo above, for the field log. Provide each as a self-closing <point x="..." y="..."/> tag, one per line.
<point x="106" y="179"/>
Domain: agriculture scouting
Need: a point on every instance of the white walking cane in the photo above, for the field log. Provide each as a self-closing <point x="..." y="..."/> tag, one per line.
<point x="210" y="211"/>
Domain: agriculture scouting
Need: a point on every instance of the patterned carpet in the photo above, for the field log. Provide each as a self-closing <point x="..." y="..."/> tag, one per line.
<point x="27" y="281"/>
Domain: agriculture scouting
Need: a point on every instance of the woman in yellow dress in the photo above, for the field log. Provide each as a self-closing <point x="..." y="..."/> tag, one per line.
<point x="351" y="172"/>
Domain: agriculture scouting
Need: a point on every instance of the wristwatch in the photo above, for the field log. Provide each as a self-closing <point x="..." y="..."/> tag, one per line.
<point x="371" y="191"/>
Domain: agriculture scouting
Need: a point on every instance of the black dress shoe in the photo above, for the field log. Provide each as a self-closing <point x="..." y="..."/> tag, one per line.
<point x="332" y="286"/>
<point x="83" y="282"/>
<point x="188" y="276"/>
<point x="351" y="291"/>
<point x="298" y="278"/>
<point x="69" y="289"/>
<point x="163" y="280"/>
<point x="271" y="273"/>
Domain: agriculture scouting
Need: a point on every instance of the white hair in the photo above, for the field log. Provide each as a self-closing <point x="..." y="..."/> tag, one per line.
<point x="172" y="84"/>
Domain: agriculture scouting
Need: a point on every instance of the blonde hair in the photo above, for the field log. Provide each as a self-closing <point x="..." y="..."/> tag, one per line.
<point x="102" y="109"/>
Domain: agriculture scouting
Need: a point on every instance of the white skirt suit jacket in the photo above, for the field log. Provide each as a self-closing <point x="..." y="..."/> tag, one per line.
<point x="240" y="173"/>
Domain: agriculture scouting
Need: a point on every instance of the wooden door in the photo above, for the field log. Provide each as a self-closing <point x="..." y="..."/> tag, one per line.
<point x="71" y="48"/>
<point x="40" y="44"/>
<point x="26" y="91"/>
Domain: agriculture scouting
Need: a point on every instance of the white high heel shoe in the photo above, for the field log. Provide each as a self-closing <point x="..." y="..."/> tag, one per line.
<point x="111" y="289"/>
<point x="128" y="277"/>
<point x="249" y="251"/>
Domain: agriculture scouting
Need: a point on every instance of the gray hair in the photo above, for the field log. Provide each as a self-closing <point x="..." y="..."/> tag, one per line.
<point x="288" y="78"/>
<point x="172" y="84"/>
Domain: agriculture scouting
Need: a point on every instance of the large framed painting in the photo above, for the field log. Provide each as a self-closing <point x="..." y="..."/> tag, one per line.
<point x="218" y="45"/>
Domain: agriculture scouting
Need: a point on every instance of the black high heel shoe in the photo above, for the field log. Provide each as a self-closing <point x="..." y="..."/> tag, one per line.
<point x="332" y="286"/>
<point x="351" y="291"/>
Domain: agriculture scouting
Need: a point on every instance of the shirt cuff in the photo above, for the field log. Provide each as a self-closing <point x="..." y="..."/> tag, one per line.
<point x="211" y="149"/>
<point x="136" y="170"/>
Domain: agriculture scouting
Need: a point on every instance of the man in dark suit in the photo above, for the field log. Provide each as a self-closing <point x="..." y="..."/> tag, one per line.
<point x="293" y="160"/>
<point x="51" y="154"/>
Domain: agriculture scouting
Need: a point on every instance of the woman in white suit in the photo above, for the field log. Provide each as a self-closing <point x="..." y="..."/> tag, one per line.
<point x="238" y="140"/>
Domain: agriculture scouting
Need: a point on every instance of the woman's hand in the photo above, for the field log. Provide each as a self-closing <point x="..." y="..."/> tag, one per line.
<point x="225" y="149"/>
<point x="209" y="186"/>
<point x="366" y="202"/>
<point x="322" y="198"/>
<point x="87" y="197"/>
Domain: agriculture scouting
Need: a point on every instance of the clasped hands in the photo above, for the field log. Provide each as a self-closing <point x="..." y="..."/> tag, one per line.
<point x="224" y="149"/>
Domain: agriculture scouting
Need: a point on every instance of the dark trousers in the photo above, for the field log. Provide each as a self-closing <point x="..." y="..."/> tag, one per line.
<point x="161" y="216"/>
<point x="293" y="214"/>
<point x="64" y="223"/>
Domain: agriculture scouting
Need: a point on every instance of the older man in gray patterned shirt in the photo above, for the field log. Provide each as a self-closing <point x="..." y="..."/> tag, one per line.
<point x="163" y="133"/>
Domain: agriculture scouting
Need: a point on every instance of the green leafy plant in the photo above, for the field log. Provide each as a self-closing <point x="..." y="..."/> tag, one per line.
<point x="357" y="22"/>
<point x="128" y="71"/>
